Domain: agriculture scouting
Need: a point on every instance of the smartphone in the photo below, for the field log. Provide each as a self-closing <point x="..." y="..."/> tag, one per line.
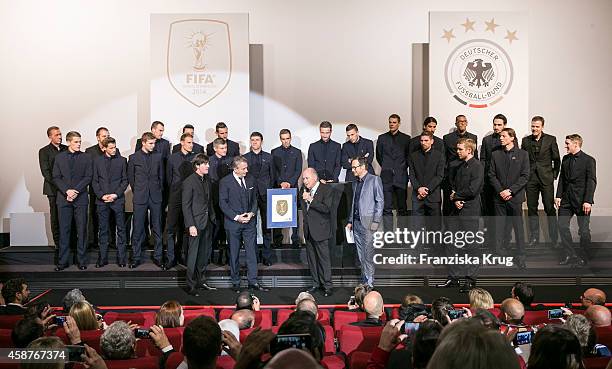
<point x="455" y="314"/>
<point x="523" y="338"/>
<point x="555" y="314"/>
<point x="142" y="333"/>
<point x="285" y="341"/>
<point x="410" y="327"/>
<point x="352" y="300"/>
<point x="74" y="353"/>
<point x="59" y="320"/>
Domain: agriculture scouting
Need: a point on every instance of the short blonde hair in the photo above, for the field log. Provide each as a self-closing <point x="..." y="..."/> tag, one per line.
<point x="84" y="315"/>
<point x="480" y="298"/>
<point x="169" y="314"/>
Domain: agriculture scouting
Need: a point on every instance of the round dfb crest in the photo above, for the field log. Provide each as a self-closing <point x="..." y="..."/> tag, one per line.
<point x="478" y="73"/>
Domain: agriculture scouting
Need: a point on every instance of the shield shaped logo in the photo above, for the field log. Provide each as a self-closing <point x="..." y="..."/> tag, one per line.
<point x="199" y="59"/>
<point x="282" y="207"/>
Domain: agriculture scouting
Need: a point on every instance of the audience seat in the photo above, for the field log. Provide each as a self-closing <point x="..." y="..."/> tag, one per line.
<point x="359" y="360"/>
<point x="330" y="345"/>
<point x="283" y="314"/>
<point x="244" y="333"/>
<point x="174" y="360"/>
<point x="346" y="317"/>
<point x="175" y="336"/>
<point x="596" y="362"/>
<point x="134" y="318"/>
<point x="352" y="338"/>
<point x="225" y="362"/>
<point x="194" y="313"/>
<point x="538" y="317"/>
<point x="263" y="318"/>
<point x="604" y="335"/>
<point x="9" y="321"/>
<point x="91" y="338"/>
<point x="333" y="362"/>
<point x="148" y="362"/>
<point x="5" y="338"/>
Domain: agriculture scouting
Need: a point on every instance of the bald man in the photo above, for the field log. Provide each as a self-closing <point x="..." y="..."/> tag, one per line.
<point x="373" y="305"/>
<point x="245" y="318"/>
<point x="598" y="315"/>
<point x="593" y="296"/>
<point x="292" y="359"/>
<point x="512" y="311"/>
<point x="308" y="305"/>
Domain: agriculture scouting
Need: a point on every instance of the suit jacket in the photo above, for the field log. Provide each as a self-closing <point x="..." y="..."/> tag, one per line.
<point x="490" y="144"/>
<point x="146" y="177"/>
<point x="467" y="185"/>
<point x="162" y="146"/>
<point x="287" y="165"/>
<point x="95" y="151"/>
<point x="371" y="201"/>
<point x="77" y="179"/>
<point x="415" y="144"/>
<point x="317" y="216"/>
<point x="197" y="148"/>
<point x="110" y="182"/>
<point x="219" y="167"/>
<point x="510" y="171"/>
<point x="179" y="167"/>
<point x="392" y="155"/>
<point x="263" y="176"/>
<point x="578" y="180"/>
<point x="233" y="149"/>
<point x="46" y="158"/>
<point x="362" y="148"/>
<point x="450" y="145"/>
<point x="198" y="207"/>
<point x="232" y="203"/>
<point x="325" y="159"/>
<point x="427" y="173"/>
<point x="546" y="163"/>
<point x="12" y="309"/>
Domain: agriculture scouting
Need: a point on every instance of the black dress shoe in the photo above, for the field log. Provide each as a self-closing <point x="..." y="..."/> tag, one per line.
<point x="121" y="265"/>
<point x="258" y="287"/>
<point x="533" y="242"/>
<point x="82" y="267"/>
<point x="193" y="292"/>
<point x="568" y="260"/>
<point x="207" y="287"/>
<point x="59" y="268"/>
<point x="170" y="265"/>
<point x="100" y="265"/>
<point x="134" y="265"/>
<point x="468" y="285"/>
<point x="236" y="289"/>
<point x="267" y="262"/>
<point x="328" y="292"/>
<point x="312" y="290"/>
<point x="450" y="282"/>
<point x="159" y="265"/>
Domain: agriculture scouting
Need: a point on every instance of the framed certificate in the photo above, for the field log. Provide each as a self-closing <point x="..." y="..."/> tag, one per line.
<point x="282" y="207"/>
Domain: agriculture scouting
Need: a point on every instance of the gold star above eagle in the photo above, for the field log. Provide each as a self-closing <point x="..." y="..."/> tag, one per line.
<point x="448" y="35"/>
<point x="469" y="25"/>
<point x="511" y="36"/>
<point x="491" y="25"/>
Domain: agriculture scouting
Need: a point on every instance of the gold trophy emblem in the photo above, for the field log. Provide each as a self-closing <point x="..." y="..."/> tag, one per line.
<point x="282" y="207"/>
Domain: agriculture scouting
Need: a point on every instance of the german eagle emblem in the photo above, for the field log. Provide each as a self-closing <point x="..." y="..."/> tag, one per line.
<point x="479" y="73"/>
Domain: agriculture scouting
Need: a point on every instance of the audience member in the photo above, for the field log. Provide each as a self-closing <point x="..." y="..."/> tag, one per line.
<point x="44" y="343"/>
<point x="373" y="306"/>
<point x="170" y="315"/>
<point x="246" y="300"/>
<point x="16" y="294"/>
<point x="308" y="305"/>
<point x="512" y="311"/>
<point x="524" y="293"/>
<point x="118" y="342"/>
<point x="26" y="331"/>
<point x="412" y="307"/>
<point x="480" y="298"/>
<point x="292" y="359"/>
<point x="440" y="308"/>
<point x="230" y="326"/>
<point x="304" y="296"/>
<point x="245" y="318"/>
<point x="85" y="316"/>
<point x="418" y="350"/>
<point x="487" y="318"/>
<point x="587" y="336"/>
<point x="303" y="322"/>
<point x="593" y="296"/>
<point x="72" y="297"/>
<point x="359" y="293"/>
<point x="556" y="347"/>
<point x="598" y="315"/>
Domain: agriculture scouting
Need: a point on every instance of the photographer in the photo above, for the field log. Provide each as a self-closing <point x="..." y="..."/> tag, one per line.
<point x="246" y="300"/>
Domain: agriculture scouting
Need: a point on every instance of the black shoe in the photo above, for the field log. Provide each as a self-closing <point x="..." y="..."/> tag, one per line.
<point x="267" y="262"/>
<point x="568" y="260"/>
<point x="312" y="290"/>
<point x="533" y="242"/>
<point x="520" y="263"/>
<point x="258" y="287"/>
<point x="193" y="292"/>
<point x="100" y="265"/>
<point x="468" y="285"/>
<point x="236" y="288"/>
<point x="159" y="265"/>
<point x="59" y="268"/>
<point x="134" y="265"/>
<point x="207" y="287"/>
<point x="296" y="244"/>
<point x="170" y="265"/>
<point x="121" y="265"/>
<point x="82" y="267"/>
<point x="328" y="292"/>
<point x="450" y="282"/>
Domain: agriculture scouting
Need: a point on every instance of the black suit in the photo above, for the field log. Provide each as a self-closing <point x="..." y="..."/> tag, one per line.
<point x="452" y="160"/>
<point x="233" y="149"/>
<point x="317" y="232"/>
<point x="415" y="144"/>
<point x="110" y="177"/>
<point x="544" y="164"/>
<point x="199" y="212"/>
<point x="72" y="171"/>
<point x="219" y="168"/>
<point x="392" y="153"/>
<point x="426" y="170"/>
<point x="324" y="157"/>
<point x="261" y="169"/>
<point x="576" y="186"/>
<point x="12" y="309"/>
<point x="146" y="177"/>
<point x="287" y="168"/>
<point x="197" y="148"/>
<point x="509" y="169"/>
<point x="362" y="148"/>
<point x="46" y="158"/>
<point x="233" y="201"/>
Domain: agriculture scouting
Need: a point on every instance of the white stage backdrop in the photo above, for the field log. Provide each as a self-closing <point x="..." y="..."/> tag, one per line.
<point x="200" y="74"/>
<point x="479" y="66"/>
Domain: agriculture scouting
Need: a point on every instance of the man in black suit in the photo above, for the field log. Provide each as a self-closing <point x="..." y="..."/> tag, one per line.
<point x="146" y="177"/>
<point x="426" y="174"/>
<point x="452" y="160"/>
<point x="178" y="168"/>
<point x="233" y="149"/>
<point x="199" y="214"/>
<point x="429" y="126"/>
<point x="197" y="148"/>
<point x="287" y="168"/>
<point x="355" y="147"/>
<point x="509" y="174"/>
<point x="109" y="183"/>
<point x="545" y="163"/>
<point x="392" y="155"/>
<point x="16" y="294"/>
<point x="220" y="166"/>
<point x="238" y="201"/>
<point x="575" y="196"/>
<point x="72" y="172"/>
<point x="261" y="169"/>
<point x="46" y="158"/>
<point x="324" y="155"/>
<point x="466" y="187"/>
<point x="316" y="203"/>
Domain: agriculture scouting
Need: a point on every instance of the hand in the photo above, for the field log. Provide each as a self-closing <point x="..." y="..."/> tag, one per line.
<point x="467" y="313"/>
<point x="390" y="336"/>
<point x="566" y="311"/>
<point x="92" y="359"/>
<point x="72" y="194"/>
<point x="586" y="208"/>
<point x="285" y="185"/>
<point x="193" y="231"/>
<point x="133" y="325"/>
<point x="256" y="344"/>
<point x="374" y="227"/>
<point x="244" y="218"/>
<point x="453" y="195"/>
<point x="506" y="195"/>
<point x="423" y="192"/>
<point x="72" y="330"/>
<point x="420" y="319"/>
<point x="47" y="319"/>
<point x="557" y="202"/>
<point x="306" y="196"/>
<point x="349" y="226"/>
<point x="233" y="346"/>
<point x="323" y="181"/>
<point x="159" y="337"/>
<point x="256" y="304"/>
<point x="459" y="204"/>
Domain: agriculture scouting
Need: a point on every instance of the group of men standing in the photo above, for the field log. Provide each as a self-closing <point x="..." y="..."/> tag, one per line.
<point x="215" y="197"/>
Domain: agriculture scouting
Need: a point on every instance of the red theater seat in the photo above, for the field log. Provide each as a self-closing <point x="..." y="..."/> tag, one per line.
<point x="538" y="317"/>
<point x="333" y="362"/>
<point x="175" y="336"/>
<point x="91" y="338"/>
<point x="346" y="317"/>
<point x="363" y="339"/>
<point x="5" y="338"/>
<point x="604" y="335"/>
<point x="359" y="360"/>
<point x="134" y="318"/>
<point x="192" y="314"/>
<point x="225" y="362"/>
<point x="263" y="318"/>
<point x="148" y="362"/>
<point x="596" y="362"/>
<point x="283" y="314"/>
<point x="9" y="321"/>
<point x="174" y="360"/>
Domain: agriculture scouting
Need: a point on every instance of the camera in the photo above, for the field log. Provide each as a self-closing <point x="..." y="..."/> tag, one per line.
<point x="352" y="300"/>
<point x="523" y="338"/>
<point x="59" y="320"/>
<point x="285" y="341"/>
<point x="142" y="333"/>
<point x="555" y="314"/>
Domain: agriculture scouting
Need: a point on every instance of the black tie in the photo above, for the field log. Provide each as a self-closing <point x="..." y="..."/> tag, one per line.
<point x="242" y="184"/>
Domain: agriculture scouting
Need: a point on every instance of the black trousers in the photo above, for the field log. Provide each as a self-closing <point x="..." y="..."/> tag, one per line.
<point x="67" y="212"/>
<point x="566" y="211"/>
<point x="139" y="219"/>
<point x="534" y="188"/>
<point x="425" y="214"/>
<point x="319" y="262"/>
<point x="105" y="212"/>
<point x="55" y="228"/>
<point x="177" y="241"/>
<point x="463" y="223"/>
<point x="198" y="254"/>
<point x="509" y="214"/>
<point x="390" y="193"/>
<point x="266" y="233"/>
